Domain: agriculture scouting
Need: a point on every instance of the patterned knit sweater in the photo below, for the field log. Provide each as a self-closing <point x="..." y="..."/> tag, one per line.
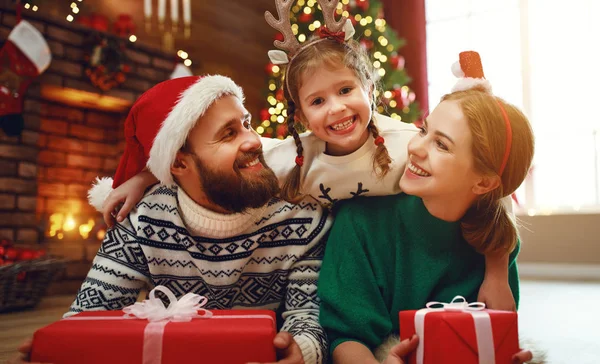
<point x="261" y="259"/>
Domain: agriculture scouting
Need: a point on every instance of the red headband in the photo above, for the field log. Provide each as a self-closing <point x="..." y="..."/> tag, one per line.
<point x="508" y="138"/>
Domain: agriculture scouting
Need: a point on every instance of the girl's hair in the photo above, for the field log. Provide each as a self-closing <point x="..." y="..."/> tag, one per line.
<point x="328" y="53"/>
<point x="487" y="224"/>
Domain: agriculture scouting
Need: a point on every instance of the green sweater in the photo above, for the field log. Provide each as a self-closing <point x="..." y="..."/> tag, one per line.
<point x="387" y="254"/>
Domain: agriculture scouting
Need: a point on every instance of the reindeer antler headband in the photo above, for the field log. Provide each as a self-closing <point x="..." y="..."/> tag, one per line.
<point x="340" y="30"/>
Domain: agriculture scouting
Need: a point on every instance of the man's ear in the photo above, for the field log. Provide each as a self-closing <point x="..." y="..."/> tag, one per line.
<point x="486" y="184"/>
<point x="181" y="165"/>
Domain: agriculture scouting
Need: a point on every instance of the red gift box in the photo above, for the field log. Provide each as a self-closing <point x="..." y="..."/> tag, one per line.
<point x="459" y="332"/>
<point x="228" y="337"/>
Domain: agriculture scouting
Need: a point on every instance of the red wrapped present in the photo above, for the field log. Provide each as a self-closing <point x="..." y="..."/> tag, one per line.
<point x="150" y="333"/>
<point x="461" y="332"/>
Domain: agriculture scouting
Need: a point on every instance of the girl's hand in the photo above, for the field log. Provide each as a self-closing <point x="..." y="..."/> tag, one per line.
<point x="401" y="350"/>
<point x="128" y="194"/>
<point x="496" y="294"/>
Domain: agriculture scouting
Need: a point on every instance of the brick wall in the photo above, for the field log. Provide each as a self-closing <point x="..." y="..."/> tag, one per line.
<point x="51" y="165"/>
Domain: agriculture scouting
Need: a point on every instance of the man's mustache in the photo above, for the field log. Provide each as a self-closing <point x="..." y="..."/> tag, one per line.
<point x="248" y="157"/>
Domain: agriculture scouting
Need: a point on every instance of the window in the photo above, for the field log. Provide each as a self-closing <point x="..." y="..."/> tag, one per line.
<point x="542" y="56"/>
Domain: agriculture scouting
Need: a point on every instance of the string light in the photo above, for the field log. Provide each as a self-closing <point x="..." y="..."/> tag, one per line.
<point x="377" y="64"/>
<point x="266" y="123"/>
<point x="393" y="103"/>
<point x="182" y="54"/>
<point x="187" y="62"/>
<point x="363" y="22"/>
<point x="34" y="8"/>
<point x="317" y="23"/>
<point x="132" y="38"/>
<point x="75" y="10"/>
<point x="27" y="6"/>
<point x="273" y="118"/>
<point x="280" y="119"/>
<point x="306" y="10"/>
<point x="381" y="72"/>
<point x="383" y="58"/>
<point x="272" y="87"/>
<point x="70" y="18"/>
<point x="275" y="69"/>
<point x="357" y="17"/>
<point x="387" y="94"/>
<point x="368" y="32"/>
<point x="73" y="5"/>
<point x="260" y="130"/>
<point x="302" y="38"/>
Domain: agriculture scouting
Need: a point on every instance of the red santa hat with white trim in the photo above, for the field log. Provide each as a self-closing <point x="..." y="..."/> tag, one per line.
<point x="158" y="125"/>
<point x="470" y="72"/>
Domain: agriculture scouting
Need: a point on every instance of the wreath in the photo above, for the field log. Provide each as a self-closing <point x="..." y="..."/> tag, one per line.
<point x="107" y="63"/>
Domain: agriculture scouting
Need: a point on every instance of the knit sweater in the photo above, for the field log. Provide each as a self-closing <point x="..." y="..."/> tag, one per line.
<point x="387" y="254"/>
<point x="329" y="178"/>
<point x="261" y="259"/>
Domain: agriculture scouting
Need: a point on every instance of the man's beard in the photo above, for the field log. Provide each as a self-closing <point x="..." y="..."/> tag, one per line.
<point x="234" y="192"/>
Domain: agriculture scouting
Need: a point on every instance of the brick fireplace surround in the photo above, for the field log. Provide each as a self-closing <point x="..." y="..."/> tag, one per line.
<point x="73" y="133"/>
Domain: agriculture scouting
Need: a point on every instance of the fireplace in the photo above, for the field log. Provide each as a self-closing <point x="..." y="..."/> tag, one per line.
<point x="73" y="133"/>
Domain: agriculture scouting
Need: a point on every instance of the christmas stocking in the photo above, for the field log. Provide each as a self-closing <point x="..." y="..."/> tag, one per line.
<point x="24" y="56"/>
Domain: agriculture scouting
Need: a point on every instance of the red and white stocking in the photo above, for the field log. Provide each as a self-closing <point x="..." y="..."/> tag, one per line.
<point x="24" y="56"/>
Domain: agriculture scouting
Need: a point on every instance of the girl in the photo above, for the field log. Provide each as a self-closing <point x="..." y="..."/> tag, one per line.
<point x="393" y="253"/>
<point x="350" y="151"/>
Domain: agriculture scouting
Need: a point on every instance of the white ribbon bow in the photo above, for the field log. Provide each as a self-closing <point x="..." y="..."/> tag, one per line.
<point x="458" y="303"/>
<point x="481" y="319"/>
<point x="182" y="310"/>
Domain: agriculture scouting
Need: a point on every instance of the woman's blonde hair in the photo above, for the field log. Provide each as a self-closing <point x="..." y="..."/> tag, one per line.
<point x="487" y="224"/>
<point x="328" y="53"/>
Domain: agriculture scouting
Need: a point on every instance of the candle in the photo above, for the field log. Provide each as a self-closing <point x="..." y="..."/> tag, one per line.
<point x="147" y="9"/>
<point x="174" y="12"/>
<point x="187" y="12"/>
<point x="162" y="9"/>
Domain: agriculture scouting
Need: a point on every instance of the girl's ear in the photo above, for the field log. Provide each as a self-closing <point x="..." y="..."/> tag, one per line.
<point x="299" y="117"/>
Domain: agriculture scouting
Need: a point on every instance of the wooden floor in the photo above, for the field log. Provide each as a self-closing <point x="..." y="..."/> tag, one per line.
<point x="16" y="327"/>
<point x="560" y="318"/>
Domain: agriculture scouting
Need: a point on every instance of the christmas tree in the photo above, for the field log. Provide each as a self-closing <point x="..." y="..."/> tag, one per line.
<point x="380" y="41"/>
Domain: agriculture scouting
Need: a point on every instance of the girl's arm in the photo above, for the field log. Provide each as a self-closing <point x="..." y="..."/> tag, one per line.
<point x="353" y="352"/>
<point x="129" y="194"/>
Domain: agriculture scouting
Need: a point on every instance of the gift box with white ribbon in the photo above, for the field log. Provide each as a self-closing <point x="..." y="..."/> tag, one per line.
<point x="150" y="333"/>
<point x="461" y="332"/>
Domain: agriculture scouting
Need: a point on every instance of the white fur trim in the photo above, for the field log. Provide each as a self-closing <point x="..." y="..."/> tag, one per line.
<point x="278" y="57"/>
<point x="456" y="70"/>
<point x="192" y="104"/>
<point x="180" y="70"/>
<point x="381" y="352"/>
<point x="469" y="83"/>
<point x="32" y="43"/>
<point x="100" y="190"/>
<point x="348" y="30"/>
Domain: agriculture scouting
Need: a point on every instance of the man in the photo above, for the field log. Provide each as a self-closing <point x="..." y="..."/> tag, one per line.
<point x="213" y="226"/>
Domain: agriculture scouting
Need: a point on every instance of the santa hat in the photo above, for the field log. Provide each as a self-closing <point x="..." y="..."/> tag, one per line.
<point x="158" y="125"/>
<point x="470" y="72"/>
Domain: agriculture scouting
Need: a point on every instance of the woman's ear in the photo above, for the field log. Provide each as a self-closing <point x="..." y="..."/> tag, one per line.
<point x="486" y="184"/>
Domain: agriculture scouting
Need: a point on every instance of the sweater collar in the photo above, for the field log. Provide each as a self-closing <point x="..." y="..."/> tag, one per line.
<point x="204" y="222"/>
